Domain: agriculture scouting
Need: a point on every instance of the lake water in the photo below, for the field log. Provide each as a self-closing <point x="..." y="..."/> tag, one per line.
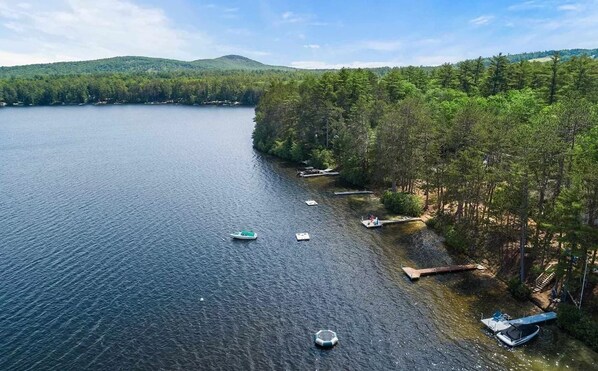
<point x="114" y="254"/>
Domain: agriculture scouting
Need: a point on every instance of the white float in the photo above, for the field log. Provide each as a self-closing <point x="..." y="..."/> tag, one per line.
<point x="326" y="338"/>
<point x="302" y="236"/>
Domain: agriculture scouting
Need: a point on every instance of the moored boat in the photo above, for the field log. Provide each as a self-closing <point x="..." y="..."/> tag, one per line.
<point x="516" y="335"/>
<point x="244" y="235"/>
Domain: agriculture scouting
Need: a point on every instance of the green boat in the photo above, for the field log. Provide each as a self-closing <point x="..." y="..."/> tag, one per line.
<point x="244" y="235"/>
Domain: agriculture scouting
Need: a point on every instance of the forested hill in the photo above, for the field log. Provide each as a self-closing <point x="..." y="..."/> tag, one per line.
<point x="545" y="56"/>
<point x="241" y="80"/>
<point x="223" y="64"/>
<point x="139" y="65"/>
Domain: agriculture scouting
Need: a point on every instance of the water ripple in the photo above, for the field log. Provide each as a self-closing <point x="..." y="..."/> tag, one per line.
<point x="114" y="253"/>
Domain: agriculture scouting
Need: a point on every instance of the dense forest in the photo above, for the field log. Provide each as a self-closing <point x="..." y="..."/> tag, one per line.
<point x="564" y="55"/>
<point x="230" y="78"/>
<point x="504" y="156"/>
<point x="226" y="79"/>
<point x="244" y="87"/>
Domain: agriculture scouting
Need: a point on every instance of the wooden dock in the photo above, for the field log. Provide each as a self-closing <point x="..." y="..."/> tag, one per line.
<point x="369" y="224"/>
<point x="500" y="321"/>
<point x="348" y="193"/>
<point x="414" y="274"/>
<point x="399" y="221"/>
<point x="328" y="173"/>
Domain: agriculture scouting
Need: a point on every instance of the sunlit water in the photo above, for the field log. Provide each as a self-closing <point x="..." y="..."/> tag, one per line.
<point x="114" y="254"/>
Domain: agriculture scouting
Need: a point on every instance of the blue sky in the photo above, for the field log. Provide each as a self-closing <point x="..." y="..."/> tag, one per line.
<point x="309" y="34"/>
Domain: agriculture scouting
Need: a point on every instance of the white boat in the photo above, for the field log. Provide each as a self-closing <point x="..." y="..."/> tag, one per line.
<point x="516" y="335"/>
<point x="244" y="235"/>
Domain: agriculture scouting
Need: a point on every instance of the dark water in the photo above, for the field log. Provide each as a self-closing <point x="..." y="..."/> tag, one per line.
<point x="114" y="255"/>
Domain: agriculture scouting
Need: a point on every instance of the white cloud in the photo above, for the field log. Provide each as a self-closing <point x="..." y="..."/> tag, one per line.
<point x="320" y="65"/>
<point x="290" y="17"/>
<point x="569" y="7"/>
<point x="79" y="29"/>
<point x="526" y="5"/>
<point x="576" y="26"/>
<point x="16" y="59"/>
<point x="481" y="20"/>
<point x="14" y="26"/>
<point x="312" y="46"/>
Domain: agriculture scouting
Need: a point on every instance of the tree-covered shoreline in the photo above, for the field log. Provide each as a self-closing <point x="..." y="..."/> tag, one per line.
<point x="504" y="156"/>
<point x="244" y="87"/>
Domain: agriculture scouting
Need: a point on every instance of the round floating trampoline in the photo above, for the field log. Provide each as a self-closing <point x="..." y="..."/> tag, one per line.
<point x="326" y="338"/>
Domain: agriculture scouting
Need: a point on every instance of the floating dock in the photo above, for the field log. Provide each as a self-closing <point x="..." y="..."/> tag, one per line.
<point x="348" y="193"/>
<point x="302" y="236"/>
<point x="373" y="224"/>
<point x="414" y="274"/>
<point x="501" y="322"/>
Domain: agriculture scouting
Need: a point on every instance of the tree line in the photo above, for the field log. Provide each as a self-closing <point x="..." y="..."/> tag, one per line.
<point x="505" y="156"/>
<point x="245" y="87"/>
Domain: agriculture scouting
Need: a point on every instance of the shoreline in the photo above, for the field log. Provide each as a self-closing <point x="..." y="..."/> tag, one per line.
<point x="536" y="300"/>
<point x="207" y="104"/>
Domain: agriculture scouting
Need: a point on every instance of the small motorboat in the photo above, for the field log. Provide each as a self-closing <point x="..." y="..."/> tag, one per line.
<point x="244" y="235"/>
<point x="516" y="335"/>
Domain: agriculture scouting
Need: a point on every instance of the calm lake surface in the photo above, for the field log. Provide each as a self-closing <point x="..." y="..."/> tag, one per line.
<point x="114" y="254"/>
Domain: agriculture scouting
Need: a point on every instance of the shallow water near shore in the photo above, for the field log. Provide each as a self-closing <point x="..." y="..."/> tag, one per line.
<point x="114" y="253"/>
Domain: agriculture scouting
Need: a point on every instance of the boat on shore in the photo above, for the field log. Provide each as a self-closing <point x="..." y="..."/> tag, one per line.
<point x="244" y="235"/>
<point x="516" y="335"/>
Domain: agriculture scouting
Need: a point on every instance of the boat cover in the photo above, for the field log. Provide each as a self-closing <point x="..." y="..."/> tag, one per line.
<point x="516" y="332"/>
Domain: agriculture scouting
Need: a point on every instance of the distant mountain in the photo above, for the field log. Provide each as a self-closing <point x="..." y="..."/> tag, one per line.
<point x="222" y="64"/>
<point x="139" y="65"/>
<point x="565" y="55"/>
